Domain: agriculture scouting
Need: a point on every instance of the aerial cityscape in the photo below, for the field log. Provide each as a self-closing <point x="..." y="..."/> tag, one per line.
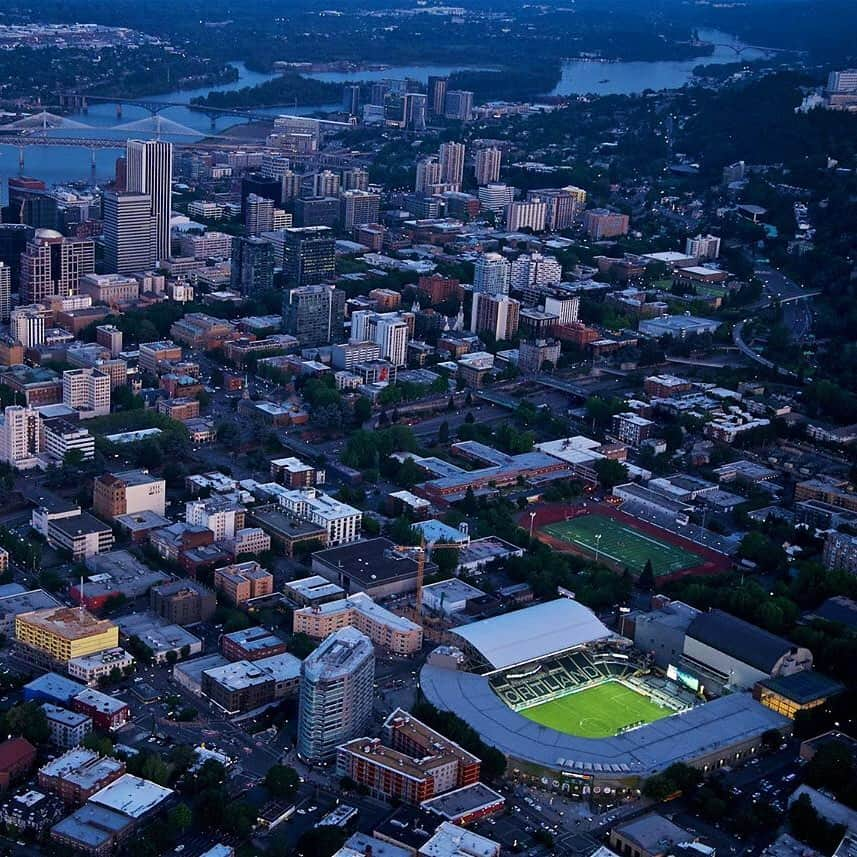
<point x="427" y="430"/>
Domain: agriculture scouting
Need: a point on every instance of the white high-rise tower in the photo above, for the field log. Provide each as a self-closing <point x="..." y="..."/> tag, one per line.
<point x="149" y="169"/>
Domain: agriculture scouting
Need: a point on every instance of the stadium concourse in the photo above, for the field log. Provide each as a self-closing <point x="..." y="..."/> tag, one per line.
<point x="620" y="540"/>
<point x="569" y="702"/>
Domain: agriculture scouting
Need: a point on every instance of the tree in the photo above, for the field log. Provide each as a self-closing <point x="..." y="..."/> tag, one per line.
<point x="282" y="781"/>
<point x="443" y="433"/>
<point x="180" y="816"/>
<point x="28" y="720"/>
<point x="320" y="841"/>
<point x="362" y="410"/>
<point x="646" y="580"/>
<point x="610" y="472"/>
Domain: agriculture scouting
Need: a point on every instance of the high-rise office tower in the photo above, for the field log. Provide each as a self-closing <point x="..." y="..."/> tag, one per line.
<point x="436" y="94"/>
<point x="27" y="324"/>
<point x="129" y="232"/>
<point x="20" y="438"/>
<point x="252" y="265"/>
<point x="31" y="203"/>
<point x="13" y="242"/>
<point x="53" y="265"/>
<point x="149" y="169"/>
<point x="358" y="207"/>
<point x="336" y="694"/>
<point x="258" y="214"/>
<point x="5" y="291"/>
<point x="497" y="315"/>
<point x="414" y="111"/>
<point x="458" y="104"/>
<point x="308" y="255"/>
<point x="267" y="187"/>
<point x="351" y="99"/>
<point x="315" y="315"/>
<point x="428" y="174"/>
<point x="491" y="274"/>
<point x="451" y="157"/>
<point x="355" y="179"/>
<point x="487" y="165"/>
<point x="326" y="183"/>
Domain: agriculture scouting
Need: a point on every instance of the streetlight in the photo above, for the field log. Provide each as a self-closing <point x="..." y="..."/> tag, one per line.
<point x="597" y="545"/>
<point x="532" y="521"/>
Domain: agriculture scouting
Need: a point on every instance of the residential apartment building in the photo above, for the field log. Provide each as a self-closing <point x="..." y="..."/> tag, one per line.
<point x="52" y="264"/>
<point x="602" y="223"/>
<point x="526" y="215"/>
<point x="336" y="694"/>
<point x="67" y="728"/>
<point x="491" y="274"/>
<point x="314" y="315"/>
<point x="487" y="165"/>
<point x="243" y="581"/>
<point x="395" y="633"/>
<point x="87" y="391"/>
<point x="498" y="315"/>
<point x="219" y="514"/>
<point x="183" y="602"/>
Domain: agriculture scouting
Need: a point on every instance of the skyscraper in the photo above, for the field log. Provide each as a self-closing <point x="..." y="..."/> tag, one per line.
<point x="526" y="215"/>
<point x="390" y="331"/>
<point x="428" y="174"/>
<point x="451" y="157"/>
<point x="315" y="315"/>
<point x="149" y="170"/>
<point x="252" y="265"/>
<point x="326" y="183"/>
<point x="414" y="111"/>
<point x="358" y="207"/>
<point x="497" y="315"/>
<point x="20" y="438"/>
<point x="129" y="232"/>
<point x="351" y="99"/>
<point x="13" y="241"/>
<point x="491" y="274"/>
<point x="53" y="265"/>
<point x="308" y="255"/>
<point x="336" y="694"/>
<point x="458" y="104"/>
<point x="436" y="95"/>
<point x="356" y="178"/>
<point x="268" y="187"/>
<point x="487" y="165"/>
<point x="258" y="214"/>
<point x="5" y="291"/>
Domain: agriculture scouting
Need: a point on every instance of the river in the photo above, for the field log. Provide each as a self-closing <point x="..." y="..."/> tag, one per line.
<point x="580" y="77"/>
<point x="60" y="164"/>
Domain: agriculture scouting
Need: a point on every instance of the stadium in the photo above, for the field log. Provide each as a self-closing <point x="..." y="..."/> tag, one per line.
<point x="576" y="706"/>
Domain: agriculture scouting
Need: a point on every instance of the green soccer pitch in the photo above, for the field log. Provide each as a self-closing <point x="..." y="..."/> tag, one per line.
<point x="597" y="712"/>
<point x="622" y="544"/>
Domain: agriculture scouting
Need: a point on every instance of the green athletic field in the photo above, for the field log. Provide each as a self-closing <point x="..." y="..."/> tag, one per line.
<point x="622" y="544"/>
<point x="596" y="712"/>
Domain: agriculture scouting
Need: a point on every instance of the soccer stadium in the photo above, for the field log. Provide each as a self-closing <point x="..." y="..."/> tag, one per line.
<point x="570" y="702"/>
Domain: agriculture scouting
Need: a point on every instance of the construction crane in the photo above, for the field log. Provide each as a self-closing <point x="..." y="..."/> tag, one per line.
<point x="421" y="551"/>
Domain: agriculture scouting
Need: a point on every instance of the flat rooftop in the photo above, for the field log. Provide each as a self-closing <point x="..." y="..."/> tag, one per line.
<point x="461" y="802"/>
<point x="131" y="796"/>
<point x="370" y="562"/>
<point x="69" y="623"/>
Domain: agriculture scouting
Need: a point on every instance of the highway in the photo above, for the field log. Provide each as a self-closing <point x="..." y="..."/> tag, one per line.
<point x="797" y="316"/>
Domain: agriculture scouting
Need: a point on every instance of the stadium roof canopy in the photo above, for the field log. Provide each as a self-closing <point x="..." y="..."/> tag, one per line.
<point x="534" y="632"/>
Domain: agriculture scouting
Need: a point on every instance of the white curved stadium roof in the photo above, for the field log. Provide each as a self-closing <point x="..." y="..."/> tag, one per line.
<point x="534" y="632"/>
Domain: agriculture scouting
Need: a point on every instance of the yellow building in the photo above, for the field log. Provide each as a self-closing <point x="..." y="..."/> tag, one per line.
<point x="64" y="633"/>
